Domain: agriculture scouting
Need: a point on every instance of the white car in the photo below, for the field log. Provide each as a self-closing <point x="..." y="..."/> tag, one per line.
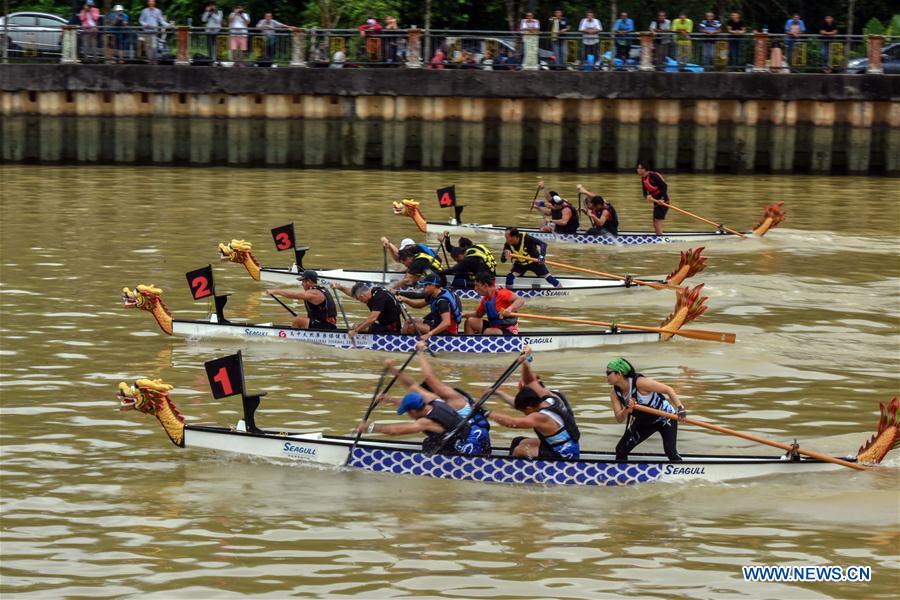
<point x="33" y="32"/>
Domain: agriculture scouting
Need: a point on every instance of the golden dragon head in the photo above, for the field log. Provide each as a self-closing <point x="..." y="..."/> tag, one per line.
<point x="691" y="263"/>
<point x="151" y="396"/>
<point x="886" y="437"/>
<point x="773" y="215"/>
<point x="149" y="298"/>
<point x="688" y="306"/>
<point x="410" y="208"/>
<point x="240" y="252"/>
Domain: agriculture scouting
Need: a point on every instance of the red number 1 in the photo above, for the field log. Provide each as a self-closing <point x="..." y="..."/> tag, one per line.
<point x="284" y="241"/>
<point x="222" y="379"/>
<point x="200" y="285"/>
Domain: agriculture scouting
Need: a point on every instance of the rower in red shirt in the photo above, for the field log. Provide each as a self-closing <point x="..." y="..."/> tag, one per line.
<point x="492" y="316"/>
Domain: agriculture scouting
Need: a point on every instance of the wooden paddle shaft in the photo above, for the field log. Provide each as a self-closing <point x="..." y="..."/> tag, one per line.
<point x="698" y="217"/>
<point x="753" y="438"/>
<point x="653" y="284"/>
<point x="697" y="334"/>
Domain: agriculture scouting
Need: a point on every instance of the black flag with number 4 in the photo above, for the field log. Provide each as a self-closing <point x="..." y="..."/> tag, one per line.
<point x="201" y="282"/>
<point x="447" y="196"/>
<point x="284" y="237"/>
<point x="226" y="376"/>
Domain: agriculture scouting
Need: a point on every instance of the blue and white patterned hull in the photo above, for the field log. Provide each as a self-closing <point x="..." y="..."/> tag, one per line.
<point x="478" y="344"/>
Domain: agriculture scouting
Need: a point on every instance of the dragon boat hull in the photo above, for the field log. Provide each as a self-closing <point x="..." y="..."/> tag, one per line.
<point x="478" y="344"/>
<point x="625" y="238"/>
<point x="406" y="458"/>
<point x="527" y="287"/>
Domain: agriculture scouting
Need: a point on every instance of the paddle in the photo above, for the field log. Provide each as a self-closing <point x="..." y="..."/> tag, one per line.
<point x="696" y="334"/>
<point x="536" y="192"/>
<point x="413" y="321"/>
<point x="699" y="218"/>
<point x="754" y="438"/>
<point x="337" y="298"/>
<point x="484" y="398"/>
<point x="288" y="308"/>
<point x="384" y="266"/>
<point x="369" y="410"/>
<point x="654" y="285"/>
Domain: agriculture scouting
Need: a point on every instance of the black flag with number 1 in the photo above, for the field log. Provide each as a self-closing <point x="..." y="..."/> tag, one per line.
<point x="226" y="376"/>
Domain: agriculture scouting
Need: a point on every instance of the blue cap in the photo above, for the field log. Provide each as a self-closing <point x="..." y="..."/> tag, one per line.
<point x="411" y="401"/>
<point x="430" y="279"/>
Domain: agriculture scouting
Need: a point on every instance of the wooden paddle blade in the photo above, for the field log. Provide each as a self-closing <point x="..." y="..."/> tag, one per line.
<point x="709" y="336"/>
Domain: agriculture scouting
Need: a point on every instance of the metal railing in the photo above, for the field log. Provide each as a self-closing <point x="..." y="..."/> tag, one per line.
<point x="445" y="49"/>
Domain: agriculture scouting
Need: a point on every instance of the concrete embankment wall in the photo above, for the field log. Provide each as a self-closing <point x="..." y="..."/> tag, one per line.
<point x="405" y="118"/>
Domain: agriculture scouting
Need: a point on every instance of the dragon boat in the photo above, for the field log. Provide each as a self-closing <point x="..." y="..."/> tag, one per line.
<point x="688" y="306"/>
<point x="407" y="458"/>
<point x="772" y="216"/>
<point x="241" y="252"/>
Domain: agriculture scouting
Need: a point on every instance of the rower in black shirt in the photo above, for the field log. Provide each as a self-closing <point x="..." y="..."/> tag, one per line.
<point x="419" y="260"/>
<point x="320" y="308"/>
<point x="384" y="309"/>
<point x="602" y="214"/>
<point x="560" y="215"/>
<point x="471" y="259"/>
<point x="526" y="245"/>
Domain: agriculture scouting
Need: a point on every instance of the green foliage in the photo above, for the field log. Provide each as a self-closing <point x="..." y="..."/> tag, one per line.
<point x="873" y="27"/>
<point x="893" y="27"/>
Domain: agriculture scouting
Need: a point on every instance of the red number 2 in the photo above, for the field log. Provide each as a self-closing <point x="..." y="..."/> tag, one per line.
<point x="222" y="379"/>
<point x="201" y="287"/>
<point x="283" y="241"/>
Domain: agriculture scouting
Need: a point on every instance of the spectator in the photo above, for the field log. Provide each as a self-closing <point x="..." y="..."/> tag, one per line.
<point x="559" y="25"/>
<point x="238" y="25"/>
<point x="529" y="24"/>
<point x="212" y="16"/>
<point x="396" y="43"/>
<point x="370" y="32"/>
<point x="89" y="18"/>
<point x="736" y="29"/>
<point x="338" y="59"/>
<point x="661" y="28"/>
<point x="682" y="28"/>
<point x="590" y="29"/>
<point x="793" y="29"/>
<point x="267" y="25"/>
<point x="151" y="20"/>
<point x="710" y="27"/>
<point x="622" y="30"/>
<point x="118" y="23"/>
<point x="439" y="58"/>
<point x="828" y="30"/>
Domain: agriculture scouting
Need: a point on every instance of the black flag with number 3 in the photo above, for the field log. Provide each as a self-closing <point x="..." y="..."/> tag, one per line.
<point x="284" y="237"/>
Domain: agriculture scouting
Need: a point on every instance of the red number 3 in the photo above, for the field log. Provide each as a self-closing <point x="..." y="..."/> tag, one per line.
<point x="283" y="241"/>
<point x="222" y="379"/>
<point x="201" y="287"/>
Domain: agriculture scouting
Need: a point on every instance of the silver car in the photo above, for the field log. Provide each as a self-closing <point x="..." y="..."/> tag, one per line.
<point x="33" y="32"/>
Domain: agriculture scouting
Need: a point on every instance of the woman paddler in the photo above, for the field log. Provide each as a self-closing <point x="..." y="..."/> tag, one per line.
<point x="630" y="388"/>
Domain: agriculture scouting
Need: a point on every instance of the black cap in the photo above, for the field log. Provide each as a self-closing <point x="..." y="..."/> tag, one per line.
<point x="309" y="274"/>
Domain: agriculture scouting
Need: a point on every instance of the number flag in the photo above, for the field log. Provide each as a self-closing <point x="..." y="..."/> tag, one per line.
<point x="226" y="375"/>
<point x="201" y="282"/>
<point x="284" y="237"/>
<point x="447" y="196"/>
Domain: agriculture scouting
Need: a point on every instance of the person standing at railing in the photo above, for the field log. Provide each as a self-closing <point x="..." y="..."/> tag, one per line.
<point x="559" y="25"/>
<point x="118" y="23"/>
<point x="622" y="29"/>
<point x="710" y="27"/>
<point x="828" y="30"/>
<point x="736" y="29"/>
<point x="793" y="29"/>
<point x="370" y="33"/>
<point x="396" y="44"/>
<point x="151" y="21"/>
<point x="90" y="20"/>
<point x="590" y="29"/>
<point x="661" y="28"/>
<point x="529" y="24"/>
<point x="238" y="25"/>
<point x="682" y="27"/>
<point x="212" y="16"/>
<point x="267" y="25"/>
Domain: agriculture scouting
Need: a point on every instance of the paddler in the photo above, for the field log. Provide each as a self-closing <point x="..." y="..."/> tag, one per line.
<point x="493" y="314"/>
<point x="384" y="309"/>
<point x="559" y="215"/>
<point x="602" y="214"/>
<point x="393" y="250"/>
<point x="470" y="259"/>
<point x="548" y="414"/>
<point x="654" y="187"/>
<point x="526" y="245"/>
<point x="445" y="317"/>
<point x="630" y="388"/>
<point x="419" y="260"/>
<point x="321" y="312"/>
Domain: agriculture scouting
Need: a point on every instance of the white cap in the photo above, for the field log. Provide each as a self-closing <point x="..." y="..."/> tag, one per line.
<point x="406" y="242"/>
<point x="556" y="199"/>
<point x="118" y="8"/>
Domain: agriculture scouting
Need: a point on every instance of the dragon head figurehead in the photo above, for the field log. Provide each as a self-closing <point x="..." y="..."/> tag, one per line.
<point x="151" y="396"/>
<point x="773" y="215"/>
<point x="410" y="208"/>
<point x="241" y="252"/>
<point x="692" y="262"/>
<point x="688" y="306"/>
<point x="149" y="298"/>
<point x="886" y="437"/>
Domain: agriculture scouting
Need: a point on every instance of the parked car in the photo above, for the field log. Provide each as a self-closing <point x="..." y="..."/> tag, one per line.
<point x="479" y="45"/>
<point x="890" y="60"/>
<point x="34" y="32"/>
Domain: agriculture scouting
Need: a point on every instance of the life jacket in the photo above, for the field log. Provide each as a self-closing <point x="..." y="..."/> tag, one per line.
<point x="479" y="438"/>
<point x="431" y="255"/>
<point x="493" y="315"/>
<point x="487" y="257"/>
<point x="442" y="414"/>
<point x="556" y="213"/>
<point x="651" y="189"/>
<point x="521" y="251"/>
<point x="656" y="400"/>
<point x="326" y="311"/>
<point x="389" y="319"/>
<point x="455" y="309"/>
<point x="568" y="432"/>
